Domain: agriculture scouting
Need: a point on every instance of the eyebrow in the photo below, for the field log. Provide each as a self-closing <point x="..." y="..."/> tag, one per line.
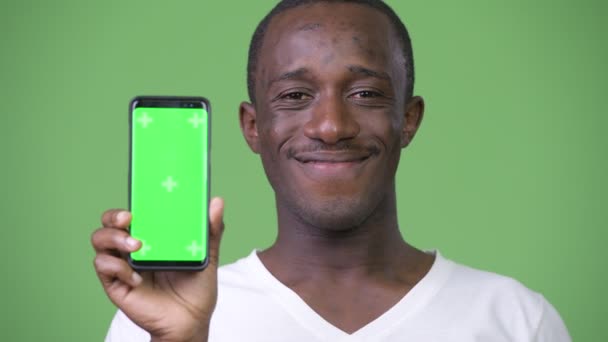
<point x="357" y="69"/>
<point x="290" y="75"/>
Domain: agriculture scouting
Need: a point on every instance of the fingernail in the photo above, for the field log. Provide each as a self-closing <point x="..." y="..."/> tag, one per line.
<point x="131" y="242"/>
<point x="122" y="216"/>
<point x="136" y="278"/>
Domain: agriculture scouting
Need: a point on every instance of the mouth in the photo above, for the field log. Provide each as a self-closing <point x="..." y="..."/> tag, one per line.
<point x="332" y="156"/>
<point x="332" y="160"/>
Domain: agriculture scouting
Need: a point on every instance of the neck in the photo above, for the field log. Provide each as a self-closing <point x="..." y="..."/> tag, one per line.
<point x="371" y="248"/>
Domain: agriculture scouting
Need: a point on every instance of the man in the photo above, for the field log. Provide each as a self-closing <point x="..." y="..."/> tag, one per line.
<point x="332" y="105"/>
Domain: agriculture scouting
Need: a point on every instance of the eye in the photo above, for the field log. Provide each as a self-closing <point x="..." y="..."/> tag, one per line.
<point x="367" y="94"/>
<point x="296" y="96"/>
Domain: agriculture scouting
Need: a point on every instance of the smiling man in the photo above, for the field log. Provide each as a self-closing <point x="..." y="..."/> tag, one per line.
<point x="332" y="106"/>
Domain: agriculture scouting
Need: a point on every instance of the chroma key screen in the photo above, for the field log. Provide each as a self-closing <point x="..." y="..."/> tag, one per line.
<point x="169" y="183"/>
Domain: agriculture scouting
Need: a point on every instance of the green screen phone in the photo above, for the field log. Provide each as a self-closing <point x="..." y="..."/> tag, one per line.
<point x="169" y="182"/>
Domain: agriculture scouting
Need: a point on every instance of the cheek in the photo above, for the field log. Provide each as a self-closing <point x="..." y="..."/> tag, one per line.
<point x="385" y="127"/>
<point x="275" y="134"/>
<point x="275" y="137"/>
<point x="277" y="131"/>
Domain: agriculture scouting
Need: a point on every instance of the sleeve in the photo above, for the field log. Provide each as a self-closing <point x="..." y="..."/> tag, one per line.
<point x="551" y="327"/>
<point x="122" y="329"/>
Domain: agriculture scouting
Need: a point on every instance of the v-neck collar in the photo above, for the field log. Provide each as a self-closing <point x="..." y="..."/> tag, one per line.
<point x="414" y="301"/>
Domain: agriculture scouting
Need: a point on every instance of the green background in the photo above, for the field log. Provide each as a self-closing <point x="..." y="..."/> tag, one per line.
<point x="170" y="222"/>
<point x="507" y="173"/>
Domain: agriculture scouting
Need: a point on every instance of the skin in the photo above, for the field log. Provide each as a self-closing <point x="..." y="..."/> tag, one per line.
<point x="329" y="122"/>
<point x="171" y="306"/>
<point x="330" y="119"/>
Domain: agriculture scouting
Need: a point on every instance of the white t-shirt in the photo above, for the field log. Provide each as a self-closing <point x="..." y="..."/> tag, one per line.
<point x="451" y="303"/>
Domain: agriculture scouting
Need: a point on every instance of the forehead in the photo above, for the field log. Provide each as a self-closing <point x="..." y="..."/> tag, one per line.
<point x="344" y="16"/>
<point x="324" y="29"/>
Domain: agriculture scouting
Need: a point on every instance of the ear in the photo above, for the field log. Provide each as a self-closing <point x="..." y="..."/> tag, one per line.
<point x="249" y="126"/>
<point x="412" y="119"/>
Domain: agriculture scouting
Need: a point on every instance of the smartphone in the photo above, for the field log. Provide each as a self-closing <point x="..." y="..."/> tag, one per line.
<point x="169" y="171"/>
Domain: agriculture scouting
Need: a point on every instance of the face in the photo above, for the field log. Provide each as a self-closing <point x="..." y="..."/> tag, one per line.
<point x="331" y="116"/>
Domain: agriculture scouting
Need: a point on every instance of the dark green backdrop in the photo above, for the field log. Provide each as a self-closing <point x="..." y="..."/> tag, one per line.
<point x="507" y="173"/>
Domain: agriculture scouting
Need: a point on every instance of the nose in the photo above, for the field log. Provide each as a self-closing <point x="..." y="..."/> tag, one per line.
<point x="331" y="121"/>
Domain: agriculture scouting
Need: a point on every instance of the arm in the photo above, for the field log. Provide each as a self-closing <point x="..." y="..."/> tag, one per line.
<point x="170" y="306"/>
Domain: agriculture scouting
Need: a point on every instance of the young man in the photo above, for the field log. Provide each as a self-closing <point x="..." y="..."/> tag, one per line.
<point x="331" y="108"/>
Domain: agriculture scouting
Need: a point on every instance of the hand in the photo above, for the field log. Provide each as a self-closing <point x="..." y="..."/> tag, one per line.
<point x="171" y="306"/>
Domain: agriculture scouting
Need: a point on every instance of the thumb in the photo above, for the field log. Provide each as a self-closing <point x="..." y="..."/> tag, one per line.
<point x="216" y="220"/>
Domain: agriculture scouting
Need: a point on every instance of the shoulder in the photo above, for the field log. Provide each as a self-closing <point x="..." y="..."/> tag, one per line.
<point x="491" y="289"/>
<point x="243" y="280"/>
<point x="241" y="274"/>
<point x="502" y="301"/>
<point x="487" y="285"/>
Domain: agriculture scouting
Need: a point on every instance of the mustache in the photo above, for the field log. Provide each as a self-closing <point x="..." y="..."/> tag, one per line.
<point x="340" y="146"/>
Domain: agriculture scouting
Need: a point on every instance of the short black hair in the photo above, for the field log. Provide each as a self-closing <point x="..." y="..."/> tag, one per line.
<point x="284" y="5"/>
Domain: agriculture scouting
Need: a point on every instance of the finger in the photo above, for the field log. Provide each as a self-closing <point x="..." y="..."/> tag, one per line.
<point x="106" y="240"/>
<point x="111" y="269"/>
<point x="216" y="218"/>
<point x="116" y="218"/>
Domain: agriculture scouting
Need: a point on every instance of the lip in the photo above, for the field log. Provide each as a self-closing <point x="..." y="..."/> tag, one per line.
<point x="331" y="164"/>
<point x="331" y="157"/>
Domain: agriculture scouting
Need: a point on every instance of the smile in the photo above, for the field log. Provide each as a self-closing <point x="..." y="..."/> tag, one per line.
<point x="331" y="163"/>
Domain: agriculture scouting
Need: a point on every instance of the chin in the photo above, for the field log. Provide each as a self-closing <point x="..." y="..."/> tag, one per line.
<point x="336" y="214"/>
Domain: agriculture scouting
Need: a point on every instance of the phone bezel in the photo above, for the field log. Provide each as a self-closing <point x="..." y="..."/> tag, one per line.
<point x="171" y="102"/>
